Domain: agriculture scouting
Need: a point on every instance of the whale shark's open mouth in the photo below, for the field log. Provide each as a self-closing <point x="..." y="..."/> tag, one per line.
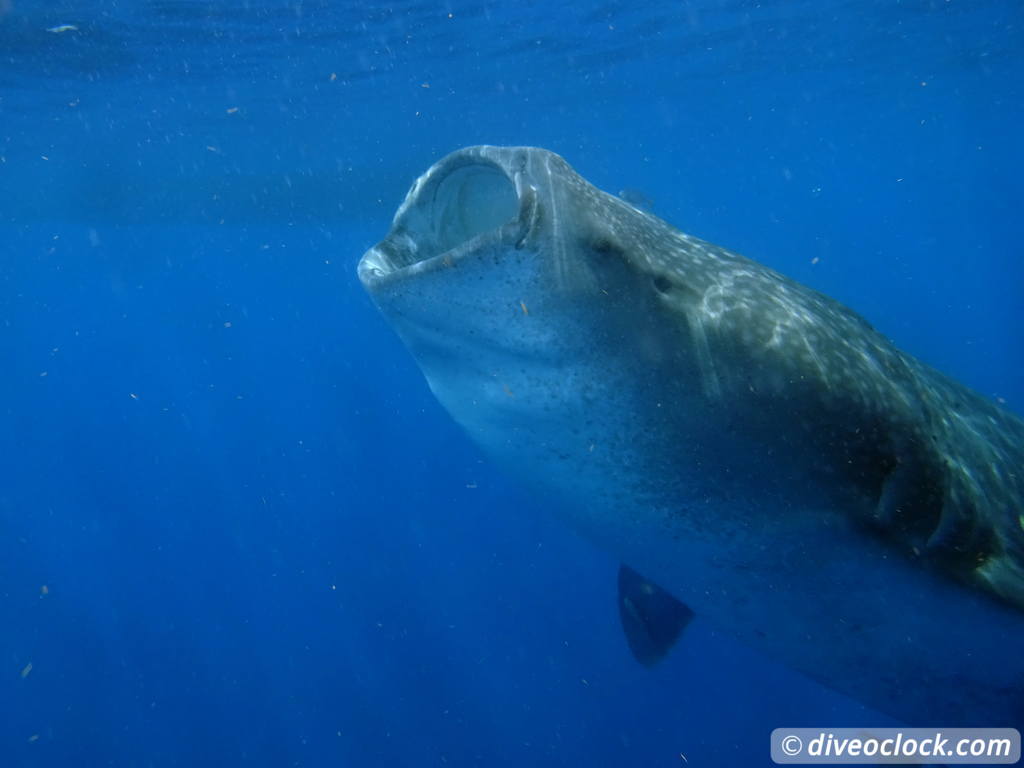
<point x="449" y="206"/>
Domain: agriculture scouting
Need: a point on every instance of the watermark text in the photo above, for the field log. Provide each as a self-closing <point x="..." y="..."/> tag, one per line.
<point x="895" y="746"/>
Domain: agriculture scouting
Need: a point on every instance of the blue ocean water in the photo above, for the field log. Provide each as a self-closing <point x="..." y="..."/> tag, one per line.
<point x="236" y="528"/>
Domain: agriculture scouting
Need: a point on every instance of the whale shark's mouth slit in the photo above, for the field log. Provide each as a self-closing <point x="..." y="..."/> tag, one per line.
<point x="444" y="210"/>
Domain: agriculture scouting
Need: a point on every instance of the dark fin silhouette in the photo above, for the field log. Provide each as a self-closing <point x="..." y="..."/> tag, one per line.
<point x="651" y="618"/>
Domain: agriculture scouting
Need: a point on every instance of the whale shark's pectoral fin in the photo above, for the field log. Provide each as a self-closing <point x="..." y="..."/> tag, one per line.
<point x="651" y="618"/>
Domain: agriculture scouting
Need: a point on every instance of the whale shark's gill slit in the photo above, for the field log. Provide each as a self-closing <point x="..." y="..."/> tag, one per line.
<point x="563" y="273"/>
<point x="710" y="384"/>
<point x="570" y="275"/>
<point x="917" y="508"/>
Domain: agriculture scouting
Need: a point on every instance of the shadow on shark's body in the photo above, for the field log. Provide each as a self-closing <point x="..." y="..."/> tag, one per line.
<point x="752" y="446"/>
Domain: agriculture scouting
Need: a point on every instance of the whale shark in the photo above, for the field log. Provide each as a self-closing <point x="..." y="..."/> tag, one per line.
<point x="753" y="452"/>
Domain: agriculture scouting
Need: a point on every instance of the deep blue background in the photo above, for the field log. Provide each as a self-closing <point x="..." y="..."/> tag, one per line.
<point x="263" y="543"/>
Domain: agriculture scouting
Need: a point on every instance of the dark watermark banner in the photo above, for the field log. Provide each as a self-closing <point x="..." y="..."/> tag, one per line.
<point x="895" y="746"/>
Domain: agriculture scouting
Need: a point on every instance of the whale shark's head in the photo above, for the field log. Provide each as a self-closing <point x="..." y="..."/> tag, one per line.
<point x="533" y="311"/>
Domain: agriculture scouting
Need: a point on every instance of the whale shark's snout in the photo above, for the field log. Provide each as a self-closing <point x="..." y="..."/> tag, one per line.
<point x="467" y="200"/>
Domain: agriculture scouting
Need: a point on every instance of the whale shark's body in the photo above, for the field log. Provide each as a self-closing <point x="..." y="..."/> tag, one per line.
<point x="753" y="447"/>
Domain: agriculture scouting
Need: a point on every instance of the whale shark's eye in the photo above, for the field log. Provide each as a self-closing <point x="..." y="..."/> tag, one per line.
<point x="662" y="284"/>
<point x="606" y="249"/>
